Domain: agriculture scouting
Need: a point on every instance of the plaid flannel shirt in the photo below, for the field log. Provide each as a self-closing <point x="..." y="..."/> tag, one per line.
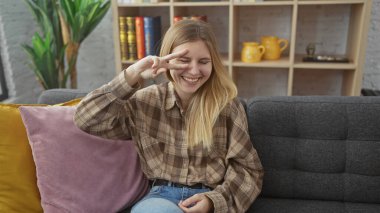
<point x="154" y="119"/>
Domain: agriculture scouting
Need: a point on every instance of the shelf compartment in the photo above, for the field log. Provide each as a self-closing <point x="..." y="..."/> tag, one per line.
<point x="151" y="10"/>
<point x="283" y="62"/>
<point x="252" y="22"/>
<point x="338" y="38"/>
<point x="264" y="3"/>
<point x="304" y="2"/>
<point x="298" y="63"/>
<point x="331" y="82"/>
<point x="217" y="16"/>
<point x="252" y="81"/>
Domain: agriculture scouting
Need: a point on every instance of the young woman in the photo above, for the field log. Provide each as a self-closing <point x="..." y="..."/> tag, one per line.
<point x="191" y="132"/>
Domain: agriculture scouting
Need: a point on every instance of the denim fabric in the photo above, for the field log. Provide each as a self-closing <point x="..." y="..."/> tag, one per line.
<point x="165" y="199"/>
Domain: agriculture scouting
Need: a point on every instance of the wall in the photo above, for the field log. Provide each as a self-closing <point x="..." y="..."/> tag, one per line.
<point x="371" y="78"/>
<point x="15" y="29"/>
<point x="95" y="66"/>
<point x="96" y="57"/>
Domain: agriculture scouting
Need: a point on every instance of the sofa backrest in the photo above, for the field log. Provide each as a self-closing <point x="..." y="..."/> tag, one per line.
<point x="56" y="96"/>
<point x="325" y="148"/>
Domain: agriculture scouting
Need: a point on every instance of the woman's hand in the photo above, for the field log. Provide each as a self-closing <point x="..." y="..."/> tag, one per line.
<point x="152" y="66"/>
<point x="198" y="203"/>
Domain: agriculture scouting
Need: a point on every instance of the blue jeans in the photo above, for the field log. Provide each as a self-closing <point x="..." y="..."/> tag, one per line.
<point x="165" y="199"/>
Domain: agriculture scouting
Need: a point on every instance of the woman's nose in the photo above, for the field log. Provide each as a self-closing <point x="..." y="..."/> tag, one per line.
<point x="193" y="69"/>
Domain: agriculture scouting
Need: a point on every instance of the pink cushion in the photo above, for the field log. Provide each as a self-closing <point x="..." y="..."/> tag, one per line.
<point x="79" y="172"/>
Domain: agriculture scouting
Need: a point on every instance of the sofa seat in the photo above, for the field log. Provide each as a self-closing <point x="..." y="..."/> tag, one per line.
<point x="264" y="205"/>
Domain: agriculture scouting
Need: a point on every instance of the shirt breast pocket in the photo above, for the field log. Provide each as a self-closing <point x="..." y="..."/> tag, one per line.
<point x="152" y="150"/>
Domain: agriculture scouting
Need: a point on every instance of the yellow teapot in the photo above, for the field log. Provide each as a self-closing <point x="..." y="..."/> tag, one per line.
<point x="274" y="46"/>
<point x="252" y="52"/>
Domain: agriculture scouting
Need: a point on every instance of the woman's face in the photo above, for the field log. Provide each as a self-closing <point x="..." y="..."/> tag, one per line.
<point x="189" y="80"/>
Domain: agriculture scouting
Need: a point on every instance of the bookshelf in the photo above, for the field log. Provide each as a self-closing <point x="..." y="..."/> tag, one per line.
<point x="337" y="27"/>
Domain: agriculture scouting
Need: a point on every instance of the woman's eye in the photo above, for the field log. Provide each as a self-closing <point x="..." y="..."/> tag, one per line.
<point x="204" y="62"/>
<point x="183" y="61"/>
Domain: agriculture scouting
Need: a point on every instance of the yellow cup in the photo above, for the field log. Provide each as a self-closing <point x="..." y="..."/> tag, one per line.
<point x="274" y="47"/>
<point x="252" y="52"/>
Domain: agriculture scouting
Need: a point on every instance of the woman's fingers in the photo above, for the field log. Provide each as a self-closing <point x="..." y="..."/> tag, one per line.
<point x="157" y="65"/>
<point x="156" y="61"/>
<point x="177" y="66"/>
<point x="175" y="55"/>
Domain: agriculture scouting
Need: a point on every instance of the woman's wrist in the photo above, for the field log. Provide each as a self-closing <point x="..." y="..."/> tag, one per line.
<point x="132" y="76"/>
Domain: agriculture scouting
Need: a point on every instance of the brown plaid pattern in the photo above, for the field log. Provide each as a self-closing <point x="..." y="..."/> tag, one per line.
<point x="154" y="119"/>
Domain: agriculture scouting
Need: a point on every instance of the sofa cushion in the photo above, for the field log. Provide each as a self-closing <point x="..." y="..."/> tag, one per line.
<point x="323" y="148"/>
<point x="18" y="183"/>
<point x="265" y="205"/>
<point x="18" y="189"/>
<point x="79" y="172"/>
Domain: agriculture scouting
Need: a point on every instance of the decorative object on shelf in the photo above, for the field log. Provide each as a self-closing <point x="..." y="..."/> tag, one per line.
<point x="252" y="52"/>
<point x="274" y="46"/>
<point x="193" y="17"/>
<point x="326" y="58"/>
<point x="310" y="49"/>
<point x="311" y="57"/>
<point x="64" y="24"/>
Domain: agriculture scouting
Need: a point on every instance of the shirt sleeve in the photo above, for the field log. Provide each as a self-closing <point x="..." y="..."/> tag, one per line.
<point x="243" y="178"/>
<point x="106" y="111"/>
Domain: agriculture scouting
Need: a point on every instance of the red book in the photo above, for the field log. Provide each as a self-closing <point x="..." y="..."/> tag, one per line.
<point x="140" y="40"/>
<point x="177" y="18"/>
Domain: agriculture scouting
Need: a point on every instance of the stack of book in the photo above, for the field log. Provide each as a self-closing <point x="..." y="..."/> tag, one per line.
<point x="193" y="17"/>
<point x="139" y="36"/>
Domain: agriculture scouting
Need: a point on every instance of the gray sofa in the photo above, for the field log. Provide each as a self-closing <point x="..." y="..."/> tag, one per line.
<point x="320" y="154"/>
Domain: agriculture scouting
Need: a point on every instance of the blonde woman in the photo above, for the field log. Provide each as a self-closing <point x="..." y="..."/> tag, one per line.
<point x="190" y="132"/>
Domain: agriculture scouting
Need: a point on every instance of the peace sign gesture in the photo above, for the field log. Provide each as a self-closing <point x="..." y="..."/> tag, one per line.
<point x="152" y="66"/>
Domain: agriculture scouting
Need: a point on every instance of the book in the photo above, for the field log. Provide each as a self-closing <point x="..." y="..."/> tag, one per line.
<point x="202" y="18"/>
<point x="140" y="37"/>
<point x="177" y="18"/>
<point x="123" y="38"/>
<point x="131" y="33"/>
<point x="152" y="30"/>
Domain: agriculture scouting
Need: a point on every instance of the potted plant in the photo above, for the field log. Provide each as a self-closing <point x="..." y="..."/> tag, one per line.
<point x="64" y="25"/>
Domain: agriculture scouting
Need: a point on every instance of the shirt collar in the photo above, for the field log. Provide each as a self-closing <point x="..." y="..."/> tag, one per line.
<point x="171" y="97"/>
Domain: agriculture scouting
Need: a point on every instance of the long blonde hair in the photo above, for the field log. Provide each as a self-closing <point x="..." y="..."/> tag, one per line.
<point x="214" y="95"/>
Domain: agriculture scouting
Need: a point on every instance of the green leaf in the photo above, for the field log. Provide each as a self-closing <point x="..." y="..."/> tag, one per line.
<point x="83" y="16"/>
<point x="46" y="51"/>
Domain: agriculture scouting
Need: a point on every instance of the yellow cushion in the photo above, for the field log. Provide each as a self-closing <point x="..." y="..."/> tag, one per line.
<point x="18" y="182"/>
